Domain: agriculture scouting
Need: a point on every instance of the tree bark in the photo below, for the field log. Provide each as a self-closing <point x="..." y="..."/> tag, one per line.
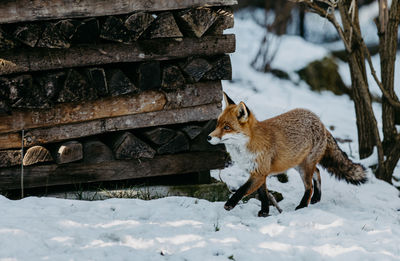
<point x="366" y="135"/>
<point x="388" y="36"/>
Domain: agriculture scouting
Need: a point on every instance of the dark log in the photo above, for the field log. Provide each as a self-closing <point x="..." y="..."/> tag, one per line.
<point x="192" y="131"/>
<point x="76" y="88"/>
<point x="4" y="88"/>
<point x="172" y="78"/>
<point x="87" y="31"/>
<point x="160" y="135"/>
<point x="225" y="21"/>
<point x="200" y="143"/>
<point x="97" y="79"/>
<point x="164" y="27"/>
<point x="28" y="34"/>
<point x="17" y="87"/>
<point x="195" y="94"/>
<point x="118" y="83"/>
<point x="69" y="152"/>
<point x="91" y="110"/>
<point x="50" y="175"/>
<point x="221" y="69"/>
<point x="36" y="154"/>
<point x="6" y="41"/>
<point x="4" y="96"/>
<point x="38" y="59"/>
<point x="14" y="11"/>
<point x="179" y="143"/>
<point x="114" y="29"/>
<point x="24" y="94"/>
<point x="196" y="68"/>
<point x="195" y="22"/>
<point x="4" y="107"/>
<point x="95" y="151"/>
<point x="127" y="146"/>
<point x="137" y="23"/>
<point x="57" y="35"/>
<point x="51" y="84"/>
<point x="10" y="158"/>
<point x="148" y="75"/>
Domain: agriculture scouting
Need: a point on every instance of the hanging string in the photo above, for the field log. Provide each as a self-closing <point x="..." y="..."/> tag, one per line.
<point x="22" y="164"/>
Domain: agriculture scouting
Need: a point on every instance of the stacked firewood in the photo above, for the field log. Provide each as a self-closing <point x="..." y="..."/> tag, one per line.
<point x="110" y="90"/>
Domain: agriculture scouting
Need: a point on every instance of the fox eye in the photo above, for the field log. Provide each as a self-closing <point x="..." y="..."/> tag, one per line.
<point x="226" y="127"/>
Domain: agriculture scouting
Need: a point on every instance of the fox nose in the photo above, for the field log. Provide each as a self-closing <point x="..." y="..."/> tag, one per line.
<point x="209" y="137"/>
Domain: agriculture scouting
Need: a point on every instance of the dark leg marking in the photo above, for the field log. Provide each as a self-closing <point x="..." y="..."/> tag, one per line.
<point x="316" y="197"/>
<point x="239" y="194"/>
<point x="304" y="201"/>
<point x="317" y="187"/>
<point x="262" y="194"/>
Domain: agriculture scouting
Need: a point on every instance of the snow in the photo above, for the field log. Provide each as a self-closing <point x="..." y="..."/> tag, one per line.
<point x="350" y="222"/>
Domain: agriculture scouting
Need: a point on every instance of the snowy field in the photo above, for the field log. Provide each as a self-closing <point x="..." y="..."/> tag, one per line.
<point x="350" y="222"/>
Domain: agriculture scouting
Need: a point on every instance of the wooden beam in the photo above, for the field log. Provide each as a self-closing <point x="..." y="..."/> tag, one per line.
<point x="50" y="175"/>
<point x="84" y="129"/>
<point x="65" y="113"/>
<point x="13" y="11"/>
<point x="148" y="101"/>
<point x="39" y="59"/>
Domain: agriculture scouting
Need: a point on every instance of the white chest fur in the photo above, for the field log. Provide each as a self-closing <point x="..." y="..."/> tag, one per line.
<point x="236" y="145"/>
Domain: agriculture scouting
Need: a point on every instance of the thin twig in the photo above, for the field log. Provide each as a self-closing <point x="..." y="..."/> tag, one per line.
<point x="330" y="16"/>
<point x="22" y="163"/>
<point x="273" y="201"/>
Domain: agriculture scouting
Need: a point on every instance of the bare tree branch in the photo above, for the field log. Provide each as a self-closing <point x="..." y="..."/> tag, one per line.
<point x="330" y="16"/>
<point x="385" y="93"/>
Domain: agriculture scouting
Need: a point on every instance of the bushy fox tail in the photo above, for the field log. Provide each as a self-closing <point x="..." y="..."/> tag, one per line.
<point x="336" y="162"/>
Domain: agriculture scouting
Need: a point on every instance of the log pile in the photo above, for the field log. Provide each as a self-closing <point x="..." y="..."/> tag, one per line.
<point x="99" y="90"/>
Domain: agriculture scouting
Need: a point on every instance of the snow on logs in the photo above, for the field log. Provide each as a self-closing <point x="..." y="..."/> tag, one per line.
<point x="110" y="90"/>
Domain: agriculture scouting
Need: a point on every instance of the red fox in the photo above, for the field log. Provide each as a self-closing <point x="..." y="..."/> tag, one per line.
<point x="296" y="139"/>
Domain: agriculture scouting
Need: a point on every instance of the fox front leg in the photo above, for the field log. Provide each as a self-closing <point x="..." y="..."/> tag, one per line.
<point x="247" y="188"/>
<point x="237" y="196"/>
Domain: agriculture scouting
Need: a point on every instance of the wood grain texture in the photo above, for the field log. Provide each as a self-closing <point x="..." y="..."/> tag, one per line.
<point x="69" y="152"/>
<point x="50" y="175"/>
<point x="12" y="11"/>
<point x="36" y="154"/>
<point x="39" y="59"/>
<point x="84" y="129"/>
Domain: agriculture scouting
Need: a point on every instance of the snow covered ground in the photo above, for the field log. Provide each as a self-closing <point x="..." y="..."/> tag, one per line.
<point x="350" y="222"/>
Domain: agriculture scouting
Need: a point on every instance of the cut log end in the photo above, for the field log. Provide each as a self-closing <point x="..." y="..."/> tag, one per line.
<point x="37" y="154"/>
<point x="69" y="152"/>
<point x="128" y="146"/>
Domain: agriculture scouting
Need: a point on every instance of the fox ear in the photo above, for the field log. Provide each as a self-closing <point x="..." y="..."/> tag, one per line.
<point x="227" y="100"/>
<point x="243" y="112"/>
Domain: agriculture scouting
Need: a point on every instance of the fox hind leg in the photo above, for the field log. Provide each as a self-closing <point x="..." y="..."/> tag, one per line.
<point x="306" y="173"/>
<point x="263" y="196"/>
<point x="316" y="197"/>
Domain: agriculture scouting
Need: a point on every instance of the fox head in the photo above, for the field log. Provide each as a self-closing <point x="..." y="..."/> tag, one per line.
<point x="233" y="126"/>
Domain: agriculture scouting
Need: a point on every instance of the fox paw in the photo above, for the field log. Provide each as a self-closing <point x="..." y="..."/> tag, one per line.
<point x="228" y="206"/>
<point x="300" y="207"/>
<point x="262" y="213"/>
